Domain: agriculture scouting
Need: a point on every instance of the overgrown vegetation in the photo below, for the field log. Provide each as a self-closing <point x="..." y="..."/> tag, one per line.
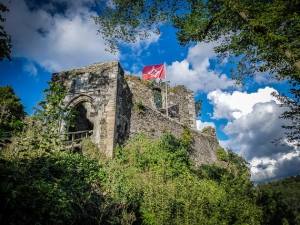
<point x="139" y="107"/>
<point x="147" y="182"/>
<point x="207" y="129"/>
<point x="280" y="201"/>
<point x="11" y="114"/>
<point x="187" y="137"/>
<point x="56" y="188"/>
<point x="175" y="88"/>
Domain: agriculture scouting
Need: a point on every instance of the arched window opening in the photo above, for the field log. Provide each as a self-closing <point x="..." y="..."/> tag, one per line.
<point x="157" y="98"/>
<point x="83" y="120"/>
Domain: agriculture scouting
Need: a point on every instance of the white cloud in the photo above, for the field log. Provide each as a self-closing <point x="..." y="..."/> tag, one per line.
<point x="254" y="124"/>
<point x="265" y="78"/>
<point x="253" y="133"/>
<point x="56" y="41"/>
<point x="265" y="169"/>
<point x="201" y="125"/>
<point x="201" y="52"/>
<point x="194" y="72"/>
<point x="30" y="68"/>
<point x="235" y="105"/>
<point x="141" y="45"/>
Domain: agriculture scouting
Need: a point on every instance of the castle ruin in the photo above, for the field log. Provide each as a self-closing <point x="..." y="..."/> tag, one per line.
<point x="109" y="103"/>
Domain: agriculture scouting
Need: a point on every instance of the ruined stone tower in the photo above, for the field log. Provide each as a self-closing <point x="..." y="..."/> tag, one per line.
<point x="108" y="101"/>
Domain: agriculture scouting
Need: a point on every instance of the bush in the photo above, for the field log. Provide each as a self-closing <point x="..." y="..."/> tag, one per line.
<point x="221" y="154"/>
<point x="60" y="188"/>
<point x="157" y="183"/>
<point x="187" y="137"/>
<point x="148" y="182"/>
<point x="42" y="184"/>
<point x="139" y="107"/>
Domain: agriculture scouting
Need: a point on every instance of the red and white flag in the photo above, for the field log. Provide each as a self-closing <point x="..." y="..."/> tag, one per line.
<point x="154" y="72"/>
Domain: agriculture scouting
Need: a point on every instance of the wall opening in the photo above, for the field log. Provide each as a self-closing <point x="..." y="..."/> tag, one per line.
<point x="83" y="120"/>
<point x="157" y="97"/>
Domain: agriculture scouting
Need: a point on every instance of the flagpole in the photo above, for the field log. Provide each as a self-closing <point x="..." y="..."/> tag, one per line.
<point x="167" y="113"/>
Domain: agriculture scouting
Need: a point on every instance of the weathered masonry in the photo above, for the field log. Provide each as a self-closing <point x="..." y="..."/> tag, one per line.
<point x="107" y="102"/>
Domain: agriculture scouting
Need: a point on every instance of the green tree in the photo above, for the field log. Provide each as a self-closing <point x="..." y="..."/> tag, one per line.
<point x="280" y="201"/>
<point x="157" y="181"/>
<point x="241" y="198"/>
<point x="43" y="131"/>
<point x="11" y="110"/>
<point x="262" y="34"/>
<point x="256" y="36"/>
<point x="40" y="183"/>
<point x="293" y="115"/>
<point x="5" y="39"/>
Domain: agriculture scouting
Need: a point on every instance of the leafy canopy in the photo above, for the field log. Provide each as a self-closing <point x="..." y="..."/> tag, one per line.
<point x="42" y="131"/>
<point x="5" y="39"/>
<point x="257" y="36"/>
<point x="280" y="201"/>
<point x="11" y="110"/>
<point x="263" y="34"/>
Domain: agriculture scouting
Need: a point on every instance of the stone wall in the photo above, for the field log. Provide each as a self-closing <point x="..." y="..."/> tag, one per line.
<point x="140" y="91"/>
<point x="178" y="95"/>
<point x="154" y="124"/>
<point x="123" y="111"/>
<point x="184" y="98"/>
<point x="98" y="85"/>
<point x="111" y="105"/>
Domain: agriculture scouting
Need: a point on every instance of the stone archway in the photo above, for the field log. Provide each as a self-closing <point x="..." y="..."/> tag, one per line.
<point x="81" y="98"/>
<point x="85" y="113"/>
<point x="82" y="120"/>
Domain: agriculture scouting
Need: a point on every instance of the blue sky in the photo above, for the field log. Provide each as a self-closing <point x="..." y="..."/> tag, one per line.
<point x="60" y="35"/>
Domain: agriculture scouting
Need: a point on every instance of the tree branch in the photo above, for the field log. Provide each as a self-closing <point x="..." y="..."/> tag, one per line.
<point x="287" y="53"/>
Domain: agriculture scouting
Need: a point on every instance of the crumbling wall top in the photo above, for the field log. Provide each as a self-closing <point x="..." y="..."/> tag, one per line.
<point x="179" y="97"/>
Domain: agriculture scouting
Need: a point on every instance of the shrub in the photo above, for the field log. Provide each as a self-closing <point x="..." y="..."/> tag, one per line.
<point x="221" y="154"/>
<point x="60" y="188"/>
<point x="207" y="129"/>
<point x="139" y="107"/>
<point x="187" y="137"/>
<point x="157" y="183"/>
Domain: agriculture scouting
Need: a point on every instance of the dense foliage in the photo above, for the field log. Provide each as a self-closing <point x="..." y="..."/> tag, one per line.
<point x="164" y="188"/>
<point x="256" y="36"/>
<point x="264" y="34"/>
<point x="56" y="188"/>
<point x="11" y="109"/>
<point x="5" y="39"/>
<point x="11" y="114"/>
<point x="147" y="182"/>
<point x="280" y="201"/>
